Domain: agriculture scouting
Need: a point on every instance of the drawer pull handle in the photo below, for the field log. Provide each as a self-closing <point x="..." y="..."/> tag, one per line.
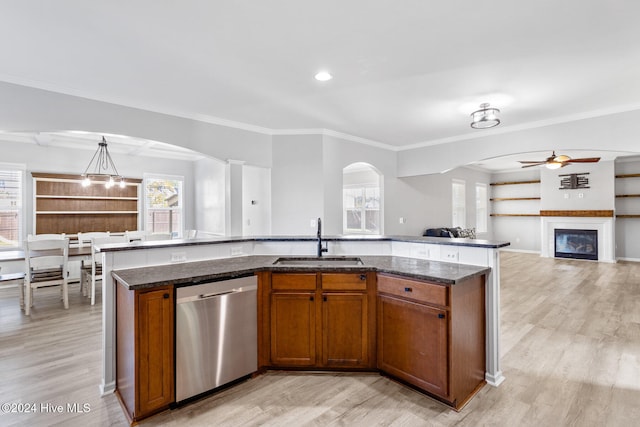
<point x="324" y="298"/>
<point x="310" y="298"/>
<point x="440" y="316"/>
<point x="408" y="290"/>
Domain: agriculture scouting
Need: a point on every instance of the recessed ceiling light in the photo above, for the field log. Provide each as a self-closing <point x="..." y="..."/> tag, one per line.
<point x="323" y="76"/>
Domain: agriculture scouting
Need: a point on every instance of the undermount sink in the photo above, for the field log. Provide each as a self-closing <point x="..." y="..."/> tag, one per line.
<point x="315" y="261"/>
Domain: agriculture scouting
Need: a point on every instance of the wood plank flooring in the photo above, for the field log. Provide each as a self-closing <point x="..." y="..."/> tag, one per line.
<point x="570" y="354"/>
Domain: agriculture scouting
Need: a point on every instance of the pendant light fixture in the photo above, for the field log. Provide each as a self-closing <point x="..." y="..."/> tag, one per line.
<point x="103" y="170"/>
<point x="484" y="118"/>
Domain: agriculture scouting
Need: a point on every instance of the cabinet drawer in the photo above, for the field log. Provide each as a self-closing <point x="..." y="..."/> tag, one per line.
<point x="344" y="281"/>
<point x="303" y="281"/>
<point x="418" y="291"/>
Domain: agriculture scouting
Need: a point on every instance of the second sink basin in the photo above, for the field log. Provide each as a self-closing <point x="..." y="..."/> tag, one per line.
<point x="316" y="261"/>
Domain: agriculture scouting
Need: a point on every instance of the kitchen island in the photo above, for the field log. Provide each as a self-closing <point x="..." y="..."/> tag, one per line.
<point x="154" y="264"/>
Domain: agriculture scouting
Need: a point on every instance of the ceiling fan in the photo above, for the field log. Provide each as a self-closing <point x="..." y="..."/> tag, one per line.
<point x="557" y="162"/>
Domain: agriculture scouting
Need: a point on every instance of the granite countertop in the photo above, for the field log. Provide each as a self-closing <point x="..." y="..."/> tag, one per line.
<point x="191" y="273"/>
<point x="479" y="243"/>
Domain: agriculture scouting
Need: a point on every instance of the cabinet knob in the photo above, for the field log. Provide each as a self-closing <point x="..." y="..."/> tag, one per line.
<point x="408" y="290"/>
<point x="440" y="316"/>
<point x="311" y="298"/>
<point x="324" y="298"/>
<point x="165" y="296"/>
<point x="363" y="277"/>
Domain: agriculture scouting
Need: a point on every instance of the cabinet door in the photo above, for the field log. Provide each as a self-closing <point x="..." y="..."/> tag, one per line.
<point x="413" y="344"/>
<point x="293" y="325"/>
<point x="155" y="350"/>
<point x="344" y="330"/>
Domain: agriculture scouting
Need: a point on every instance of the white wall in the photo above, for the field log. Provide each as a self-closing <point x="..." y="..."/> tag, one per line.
<point x="600" y="195"/>
<point x="297" y="184"/>
<point x="26" y="109"/>
<point x="339" y="153"/>
<point x="62" y="160"/>
<point x="210" y="201"/>
<point x="426" y="200"/>
<point x="615" y="132"/>
<point x="256" y="201"/>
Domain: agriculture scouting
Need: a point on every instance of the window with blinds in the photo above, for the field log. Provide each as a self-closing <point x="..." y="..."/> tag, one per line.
<point x="11" y="214"/>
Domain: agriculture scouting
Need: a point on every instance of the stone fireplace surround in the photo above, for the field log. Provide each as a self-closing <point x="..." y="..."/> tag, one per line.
<point x="601" y="221"/>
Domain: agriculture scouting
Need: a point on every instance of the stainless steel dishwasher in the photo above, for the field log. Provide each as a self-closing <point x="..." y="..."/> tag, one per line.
<point x="216" y="334"/>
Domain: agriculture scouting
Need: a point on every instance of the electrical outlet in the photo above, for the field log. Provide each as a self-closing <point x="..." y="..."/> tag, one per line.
<point x="312" y="223"/>
<point x="178" y="256"/>
<point x="403" y="220"/>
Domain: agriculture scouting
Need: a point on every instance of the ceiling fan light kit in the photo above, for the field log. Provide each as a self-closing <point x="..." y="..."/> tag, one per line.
<point x="486" y="117"/>
<point x="557" y="162"/>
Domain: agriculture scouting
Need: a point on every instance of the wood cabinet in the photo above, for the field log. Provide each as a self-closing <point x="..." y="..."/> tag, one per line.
<point x="321" y="320"/>
<point x="144" y="350"/>
<point x="433" y="336"/>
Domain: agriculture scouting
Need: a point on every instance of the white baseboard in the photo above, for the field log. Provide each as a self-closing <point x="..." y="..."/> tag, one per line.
<point x="628" y="259"/>
<point x="524" y="251"/>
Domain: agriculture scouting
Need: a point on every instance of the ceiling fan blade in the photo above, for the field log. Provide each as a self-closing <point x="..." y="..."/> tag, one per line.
<point x="533" y="161"/>
<point x="584" y="160"/>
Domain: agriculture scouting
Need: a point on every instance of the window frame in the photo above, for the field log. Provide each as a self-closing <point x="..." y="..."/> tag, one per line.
<point x="20" y="168"/>
<point x="363" y="210"/>
<point x="482" y="208"/>
<point x="458" y="204"/>
<point x="181" y="209"/>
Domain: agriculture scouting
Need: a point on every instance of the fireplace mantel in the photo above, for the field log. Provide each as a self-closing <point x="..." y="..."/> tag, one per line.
<point x="583" y="214"/>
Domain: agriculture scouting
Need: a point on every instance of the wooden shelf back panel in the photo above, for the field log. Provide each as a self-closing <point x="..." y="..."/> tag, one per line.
<point x="85" y="205"/>
<point x="629" y="175"/>
<point x="66" y="188"/>
<point x="586" y="213"/>
<point x="72" y="224"/>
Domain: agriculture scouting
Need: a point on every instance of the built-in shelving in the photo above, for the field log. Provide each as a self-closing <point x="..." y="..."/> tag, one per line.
<point x="516" y="182"/>
<point x="503" y="199"/>
<point x="63" y="205"/>
<point x="523" y="202"/>
<point x="627" y="196"/>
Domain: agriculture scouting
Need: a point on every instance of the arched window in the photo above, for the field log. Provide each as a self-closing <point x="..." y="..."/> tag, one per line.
<point x="361" y="199"/>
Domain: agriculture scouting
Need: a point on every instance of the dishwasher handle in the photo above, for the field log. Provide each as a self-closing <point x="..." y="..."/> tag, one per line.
<point x="217" y="294"/>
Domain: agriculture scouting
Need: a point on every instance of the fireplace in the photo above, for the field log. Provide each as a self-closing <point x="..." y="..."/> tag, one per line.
<point x="576" y="243"/>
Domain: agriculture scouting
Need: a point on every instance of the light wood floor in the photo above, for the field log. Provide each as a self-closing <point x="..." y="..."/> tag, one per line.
<point x="570" y="353"/>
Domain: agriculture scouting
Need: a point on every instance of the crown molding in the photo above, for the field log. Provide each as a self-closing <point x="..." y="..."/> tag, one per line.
<point x="312" y="131"/>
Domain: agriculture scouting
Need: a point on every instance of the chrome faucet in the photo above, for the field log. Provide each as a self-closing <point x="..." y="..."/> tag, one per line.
<point x="320" y="248"/>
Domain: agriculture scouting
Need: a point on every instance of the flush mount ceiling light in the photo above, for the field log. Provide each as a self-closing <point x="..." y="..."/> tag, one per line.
<point x="103" y="170"/>
<point x="323" y="76"/>
<point x="484" y="118"/>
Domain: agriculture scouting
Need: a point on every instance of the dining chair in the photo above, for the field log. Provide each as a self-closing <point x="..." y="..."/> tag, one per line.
<point x="45" y="265"/>
<point x="32" y="237"/>
<point x="84" y="239"/>
<point x="136" y="235"/>
<point x="95" y="273"/>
